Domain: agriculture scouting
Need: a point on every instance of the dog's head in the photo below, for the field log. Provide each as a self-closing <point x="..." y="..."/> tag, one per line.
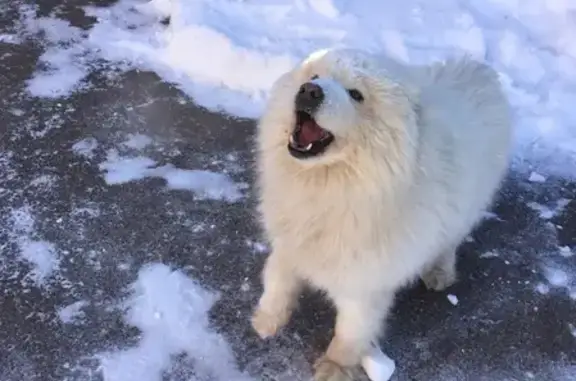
<point x="333" y="104"/>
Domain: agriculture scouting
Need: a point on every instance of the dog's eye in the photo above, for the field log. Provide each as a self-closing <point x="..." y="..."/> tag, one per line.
<point x="356" y="95"/>
<point x="315" y="76"/>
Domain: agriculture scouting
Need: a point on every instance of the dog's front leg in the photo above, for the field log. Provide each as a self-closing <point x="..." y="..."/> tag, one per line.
<point x="358" y="324"/>
<point x="281" y="289"/>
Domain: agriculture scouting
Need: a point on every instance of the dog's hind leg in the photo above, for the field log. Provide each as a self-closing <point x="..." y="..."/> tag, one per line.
<point x="358" y="324"/>
<point x="442" y="273"/>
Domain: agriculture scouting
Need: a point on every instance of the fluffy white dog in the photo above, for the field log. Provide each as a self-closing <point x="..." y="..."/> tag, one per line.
<point x="371" y="174"/>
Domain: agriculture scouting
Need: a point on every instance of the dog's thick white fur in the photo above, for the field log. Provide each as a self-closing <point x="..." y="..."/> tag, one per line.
<point x="411" y="169"/>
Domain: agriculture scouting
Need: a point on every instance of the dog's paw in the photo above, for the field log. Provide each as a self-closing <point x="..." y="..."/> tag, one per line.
<point x="327" y="370"/>
<point x="439" y="279"/>
<point x="265" y="324"/>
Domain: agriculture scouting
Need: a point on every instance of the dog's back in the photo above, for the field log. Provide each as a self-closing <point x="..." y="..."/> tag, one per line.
<point x="465" y="136"/>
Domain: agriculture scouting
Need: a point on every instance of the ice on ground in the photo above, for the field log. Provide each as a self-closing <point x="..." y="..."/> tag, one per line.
<point x="205" y="184"/>
<point x="171" y="310"/>
<point x="227" y="54"/>
<point x="72" y="313"/>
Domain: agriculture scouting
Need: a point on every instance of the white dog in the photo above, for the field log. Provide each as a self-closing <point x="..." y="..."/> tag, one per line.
<point x="371" y="174"/>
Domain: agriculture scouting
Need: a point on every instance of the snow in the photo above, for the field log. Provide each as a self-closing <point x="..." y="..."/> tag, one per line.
<point x="565" y="251"/>
<point x="547" y="212"/>
<point x="9" y="38"/>
<point x="205" y="184"/>
<point x="137" y="141"/>
<point x="378" y="366"/>
<point x="536" y="178"/>
<point x="572" y="329"/>
<point x="85" y="147"/>
<point x="40" y="255"/>
<point x="452" y="299"/>
<point x="72" y="313"/>
<point x="226" y="54"/>
<point x="542" y="289"/>
<point x="556" y="277"/>
<point x="171" y="311"/>
<point x="489" y="254"/>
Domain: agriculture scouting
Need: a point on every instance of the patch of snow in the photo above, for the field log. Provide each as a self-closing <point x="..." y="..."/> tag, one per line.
<point x="378" y="366"/>
<point x="85" y="212"/>
<point x="227" y="54"/>
<point x="9" y="38"/>
<point x="489" y="254"/>
<point x="41" y="255"/>
<point x="72" y="313"/>
<point x="22" y="220"/>
<point x="536" y="178"/>
<point x="258" y="247"/>
<point x="17" y="112"/>
<point x="572" y="329"/>
<point x="560" y="278"/>
<point x="565" y="251"/>
<point x="542" y="288"/>
<point x="85" y="147"/>
<point x="452" y="299"/>
<point x="137" y="141"/>
<point x="65" y="61"/>
<point x="43" y="181"/>
<point x="204" y="184"/>
<point x="171" y="311"/>
<point x="120" y="170"/>
<point x="547" y="212"/>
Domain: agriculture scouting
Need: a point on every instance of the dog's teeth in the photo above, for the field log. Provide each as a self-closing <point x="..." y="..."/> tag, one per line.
<point x="308" y="147"/>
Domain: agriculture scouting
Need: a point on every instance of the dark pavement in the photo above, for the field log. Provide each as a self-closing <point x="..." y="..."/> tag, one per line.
<point x="515" y="319"/>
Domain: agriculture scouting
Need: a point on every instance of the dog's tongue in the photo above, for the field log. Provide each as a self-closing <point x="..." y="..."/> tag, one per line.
<point x="309" y="132"/>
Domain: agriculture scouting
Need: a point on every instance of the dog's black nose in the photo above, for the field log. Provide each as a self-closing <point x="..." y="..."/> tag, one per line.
<point x="309" y="97"/>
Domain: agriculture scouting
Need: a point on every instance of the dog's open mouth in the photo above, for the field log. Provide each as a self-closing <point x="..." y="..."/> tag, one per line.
<point x="308" y="139"/>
